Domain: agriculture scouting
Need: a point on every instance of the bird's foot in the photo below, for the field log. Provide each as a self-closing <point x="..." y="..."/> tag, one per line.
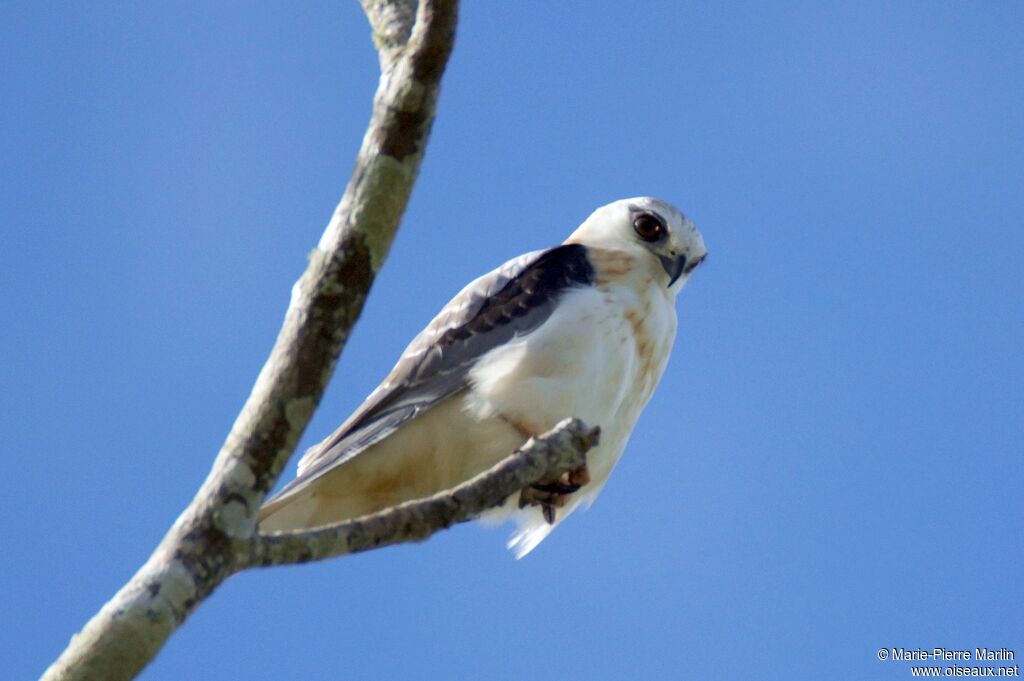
<point x="555" y="493"/>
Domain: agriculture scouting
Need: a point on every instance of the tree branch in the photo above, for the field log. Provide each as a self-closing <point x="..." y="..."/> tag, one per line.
<point x="198" y="552"/>
<point x="559" y="450"/>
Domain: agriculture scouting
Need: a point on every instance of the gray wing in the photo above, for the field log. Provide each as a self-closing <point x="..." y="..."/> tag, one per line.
<point x="510" y="301"/>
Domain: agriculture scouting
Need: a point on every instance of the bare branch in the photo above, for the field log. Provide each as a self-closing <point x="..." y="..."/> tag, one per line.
<point x="561" y="449"/>
<point x="391" y="21"/>
<point x="197" y="554"/>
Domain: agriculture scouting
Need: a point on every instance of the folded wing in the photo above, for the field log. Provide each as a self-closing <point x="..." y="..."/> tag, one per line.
<point x="510" y="301"/>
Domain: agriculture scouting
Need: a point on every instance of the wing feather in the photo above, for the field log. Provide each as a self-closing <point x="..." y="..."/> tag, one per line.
<point x="512" y="300"/>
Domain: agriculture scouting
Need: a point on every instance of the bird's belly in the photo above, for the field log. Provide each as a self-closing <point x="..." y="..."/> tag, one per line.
<point x="573" y="365"/>
<point x="598" y="358"/>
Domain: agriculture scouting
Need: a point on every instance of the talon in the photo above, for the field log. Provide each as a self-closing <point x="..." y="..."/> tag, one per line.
<point x="579" y="476"/>
<point x="556" y="487"/>
<point x="554" y="494"/>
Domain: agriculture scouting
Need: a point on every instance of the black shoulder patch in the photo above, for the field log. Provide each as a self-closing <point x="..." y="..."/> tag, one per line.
<point x="536" y="287"/>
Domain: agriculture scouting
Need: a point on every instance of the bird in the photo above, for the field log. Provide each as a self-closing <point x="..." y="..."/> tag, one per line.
<point x="583" y="329"/>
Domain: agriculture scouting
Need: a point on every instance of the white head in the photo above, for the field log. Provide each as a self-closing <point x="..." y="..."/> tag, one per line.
<point x="646" y="227"/>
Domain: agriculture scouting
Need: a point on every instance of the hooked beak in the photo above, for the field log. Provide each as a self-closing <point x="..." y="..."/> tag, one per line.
<point x="678" y="266"/>
<point x="673" y="266"/>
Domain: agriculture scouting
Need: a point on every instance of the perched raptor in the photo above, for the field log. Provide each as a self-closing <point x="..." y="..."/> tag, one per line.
<point x="583" y="329"/>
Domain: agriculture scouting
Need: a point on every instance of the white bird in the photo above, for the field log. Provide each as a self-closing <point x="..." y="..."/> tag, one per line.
<point x="583" y="329"/>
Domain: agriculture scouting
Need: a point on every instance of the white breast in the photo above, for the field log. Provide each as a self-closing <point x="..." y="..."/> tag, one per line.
<point x="598" y="358"/>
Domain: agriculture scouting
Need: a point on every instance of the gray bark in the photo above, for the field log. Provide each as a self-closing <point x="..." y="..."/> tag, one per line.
<point x="199" y="551"/>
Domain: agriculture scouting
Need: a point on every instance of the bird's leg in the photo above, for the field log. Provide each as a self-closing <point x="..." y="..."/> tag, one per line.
<point x="553" y="494"/>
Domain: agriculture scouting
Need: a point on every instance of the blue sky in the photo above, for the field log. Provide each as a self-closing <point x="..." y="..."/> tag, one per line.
<point x="832" y="463"/>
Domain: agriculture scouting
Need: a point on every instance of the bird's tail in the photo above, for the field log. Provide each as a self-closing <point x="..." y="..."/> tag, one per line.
<point x="533" y="528"/>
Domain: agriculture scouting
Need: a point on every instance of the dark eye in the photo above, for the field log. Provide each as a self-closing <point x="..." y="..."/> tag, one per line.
<point x="648" y="227"/>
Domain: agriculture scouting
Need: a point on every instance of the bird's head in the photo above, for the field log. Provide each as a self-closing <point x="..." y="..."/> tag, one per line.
<point x="654" y="231"/>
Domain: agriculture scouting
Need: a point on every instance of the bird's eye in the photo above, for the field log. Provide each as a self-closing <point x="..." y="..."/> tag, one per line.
<point x="648" y="227"/>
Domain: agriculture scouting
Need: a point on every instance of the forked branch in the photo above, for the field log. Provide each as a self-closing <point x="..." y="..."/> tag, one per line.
<point x="198" y="553"/>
